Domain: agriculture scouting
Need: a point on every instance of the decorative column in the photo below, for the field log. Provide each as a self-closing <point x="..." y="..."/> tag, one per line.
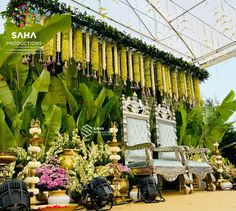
<point x="34" y="149"/>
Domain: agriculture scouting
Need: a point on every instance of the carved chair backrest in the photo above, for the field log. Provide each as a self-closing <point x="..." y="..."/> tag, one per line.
<point x="136" y="128"/>
<point x="165" y="130"/>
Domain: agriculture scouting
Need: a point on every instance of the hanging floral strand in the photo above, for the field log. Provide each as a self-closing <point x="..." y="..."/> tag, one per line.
<point x="196" y="89"/>
<point x="169" y="81"/>
<point x="116" y="63"/>
<point x="189" y="87"/>
<point x="70" y="44"/>
<point x="58" y="48"/>
<point x="173" y="75"/>
<point x="87" y="47"/>
<point x="163" y="78"/>
<point x="130" y="64"/>
<point x="159" y="78"/>
<point x="153" y="79"/>
<point x="78" y="47"/>
<point x="123" y="65"/>
<point x="100" y="71"/>
<point x="94" y="55"/>
<point x="104" y="59"/>
<point x="147" y="69"/>
<point x="166" y="70"/>
<point x="136" y="68"/>
<point x="65" y="47"/>
<point x="181" y="84"/>
<point x="109" y="62"/>
<point x="142" y="77"/>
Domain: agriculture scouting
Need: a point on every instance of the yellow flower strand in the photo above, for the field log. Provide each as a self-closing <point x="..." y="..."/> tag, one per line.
<point x="189" y="87"/>
<point x="123" y="64"/>
<point x="147" y="69"/>
<point x="196" y="88"/>
<point x="136" y="67"/>
<point x="78" y="45"/>
<point x="87" y="46"/>
<point x="109" y="59"/>
<point x="94" y="53"/>
<point x="65" y="45"/>
<point x="181" y="83"/>
<point x="159" y="77"/>
<point x="153" y="79"/>
<point x="163" y="77"/>
<point x="100" y="61"/>
<point x="173" y="75"/>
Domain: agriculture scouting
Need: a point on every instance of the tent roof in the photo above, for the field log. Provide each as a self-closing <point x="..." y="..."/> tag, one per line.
<point x="199" y="31"/>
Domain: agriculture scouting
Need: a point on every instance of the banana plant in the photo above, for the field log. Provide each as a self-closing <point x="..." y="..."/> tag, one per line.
<point x="202" y="126"/>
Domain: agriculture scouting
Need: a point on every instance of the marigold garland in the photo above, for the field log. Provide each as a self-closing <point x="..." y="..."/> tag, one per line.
<point x="94" y="53"/>
<point x="109" y="59"/>
<point x="78" y="45"/>
<point x="123" y="63"/>
<point x="153" y="78"/>
<point x="196" y="88"/>
<point x="189" y="87"/>
<point x="181" y="83"/>
<point x="136" y="67"/>
<point x="147" y="73"/>
<point x="159" y="77"/>
<point x="65" y="45"/>
<point x="173" y="75"/>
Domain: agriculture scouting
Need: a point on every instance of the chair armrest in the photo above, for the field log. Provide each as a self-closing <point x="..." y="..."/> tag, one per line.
<point x="170" y="149"/>
<point x="201" y="151"/>
<point x="140" y="146"/>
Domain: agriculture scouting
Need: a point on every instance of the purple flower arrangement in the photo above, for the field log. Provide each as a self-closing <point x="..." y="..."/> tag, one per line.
<point x="119" y="170"/>
<point x="52" y="176"/>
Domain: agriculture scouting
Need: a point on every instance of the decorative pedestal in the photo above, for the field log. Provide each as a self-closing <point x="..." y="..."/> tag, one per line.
<point x="58" y="197"/>
<point x="6" y="158"/>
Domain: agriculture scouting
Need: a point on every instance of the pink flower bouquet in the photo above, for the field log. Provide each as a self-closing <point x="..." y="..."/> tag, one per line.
<point x="52" y="177"/>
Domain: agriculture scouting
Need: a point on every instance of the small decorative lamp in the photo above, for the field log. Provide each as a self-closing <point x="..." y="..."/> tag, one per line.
<point x="219" y="164"/>
<point x="114" y="146"/>
<point x="34" y="149"/>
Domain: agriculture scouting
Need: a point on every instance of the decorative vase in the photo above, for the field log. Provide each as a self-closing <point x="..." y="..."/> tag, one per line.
<point x="58" y="197"/>
<point x="124" y="187"/>
<point x="133" y="194"/>
<point x="226" y="185"/>
<point x="67" y="158"/>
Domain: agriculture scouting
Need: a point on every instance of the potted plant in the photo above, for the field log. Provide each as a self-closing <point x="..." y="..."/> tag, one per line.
<point x="65" y="147"/>
<point x="53" y="178"/>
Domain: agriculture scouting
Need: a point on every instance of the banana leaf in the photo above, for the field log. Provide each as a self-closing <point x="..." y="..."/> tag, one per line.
<point x="7" y="99"/>
<point x="52" y="123"/>
<point x="41" y="84"/>
<point x="7" y="138"/>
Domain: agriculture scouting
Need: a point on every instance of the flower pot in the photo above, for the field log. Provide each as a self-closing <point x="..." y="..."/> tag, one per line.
<point x="67" y="158"/>
<point x="133" y="194"/>
<point x="226" y="185"/>
<point x="58" y="197"/>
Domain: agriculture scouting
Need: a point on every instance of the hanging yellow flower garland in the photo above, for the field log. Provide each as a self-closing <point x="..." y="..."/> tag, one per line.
<point x="136" y="67"/>
<point x="159" y="77"/>
<point x="100" y="61"/>
<point x="147" y="73"/>
<point x="78" y="45"/>
<point x="181" y="83"/>
<point x="153" y="78"/>
<point x="173" y="75"/>
<point x="196" y="88"/>
<point x="130" y="64"/>
<point x="94" y="53"/>
<point x="189" y="87"/>
<point x="49" y="49"/>
<point x="109" y="60"/>
<point x="141" y="67"/>
<point x="65" y="45"/>
<point x="123" y="64"/>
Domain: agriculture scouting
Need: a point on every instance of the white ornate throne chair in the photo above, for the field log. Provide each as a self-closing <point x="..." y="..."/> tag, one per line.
<point x="166" y="138"/>
<point x="138" y="146"/>
<point x="167" y="149"/>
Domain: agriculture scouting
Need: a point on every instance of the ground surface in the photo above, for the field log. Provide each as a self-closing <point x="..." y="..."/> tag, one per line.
<point x="198" y="201"/>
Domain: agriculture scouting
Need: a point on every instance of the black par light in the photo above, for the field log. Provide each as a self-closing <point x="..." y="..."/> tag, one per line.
<point x="149" y="190"/>
<point x="100" y="193"/>
<point x="14" y="196"/>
